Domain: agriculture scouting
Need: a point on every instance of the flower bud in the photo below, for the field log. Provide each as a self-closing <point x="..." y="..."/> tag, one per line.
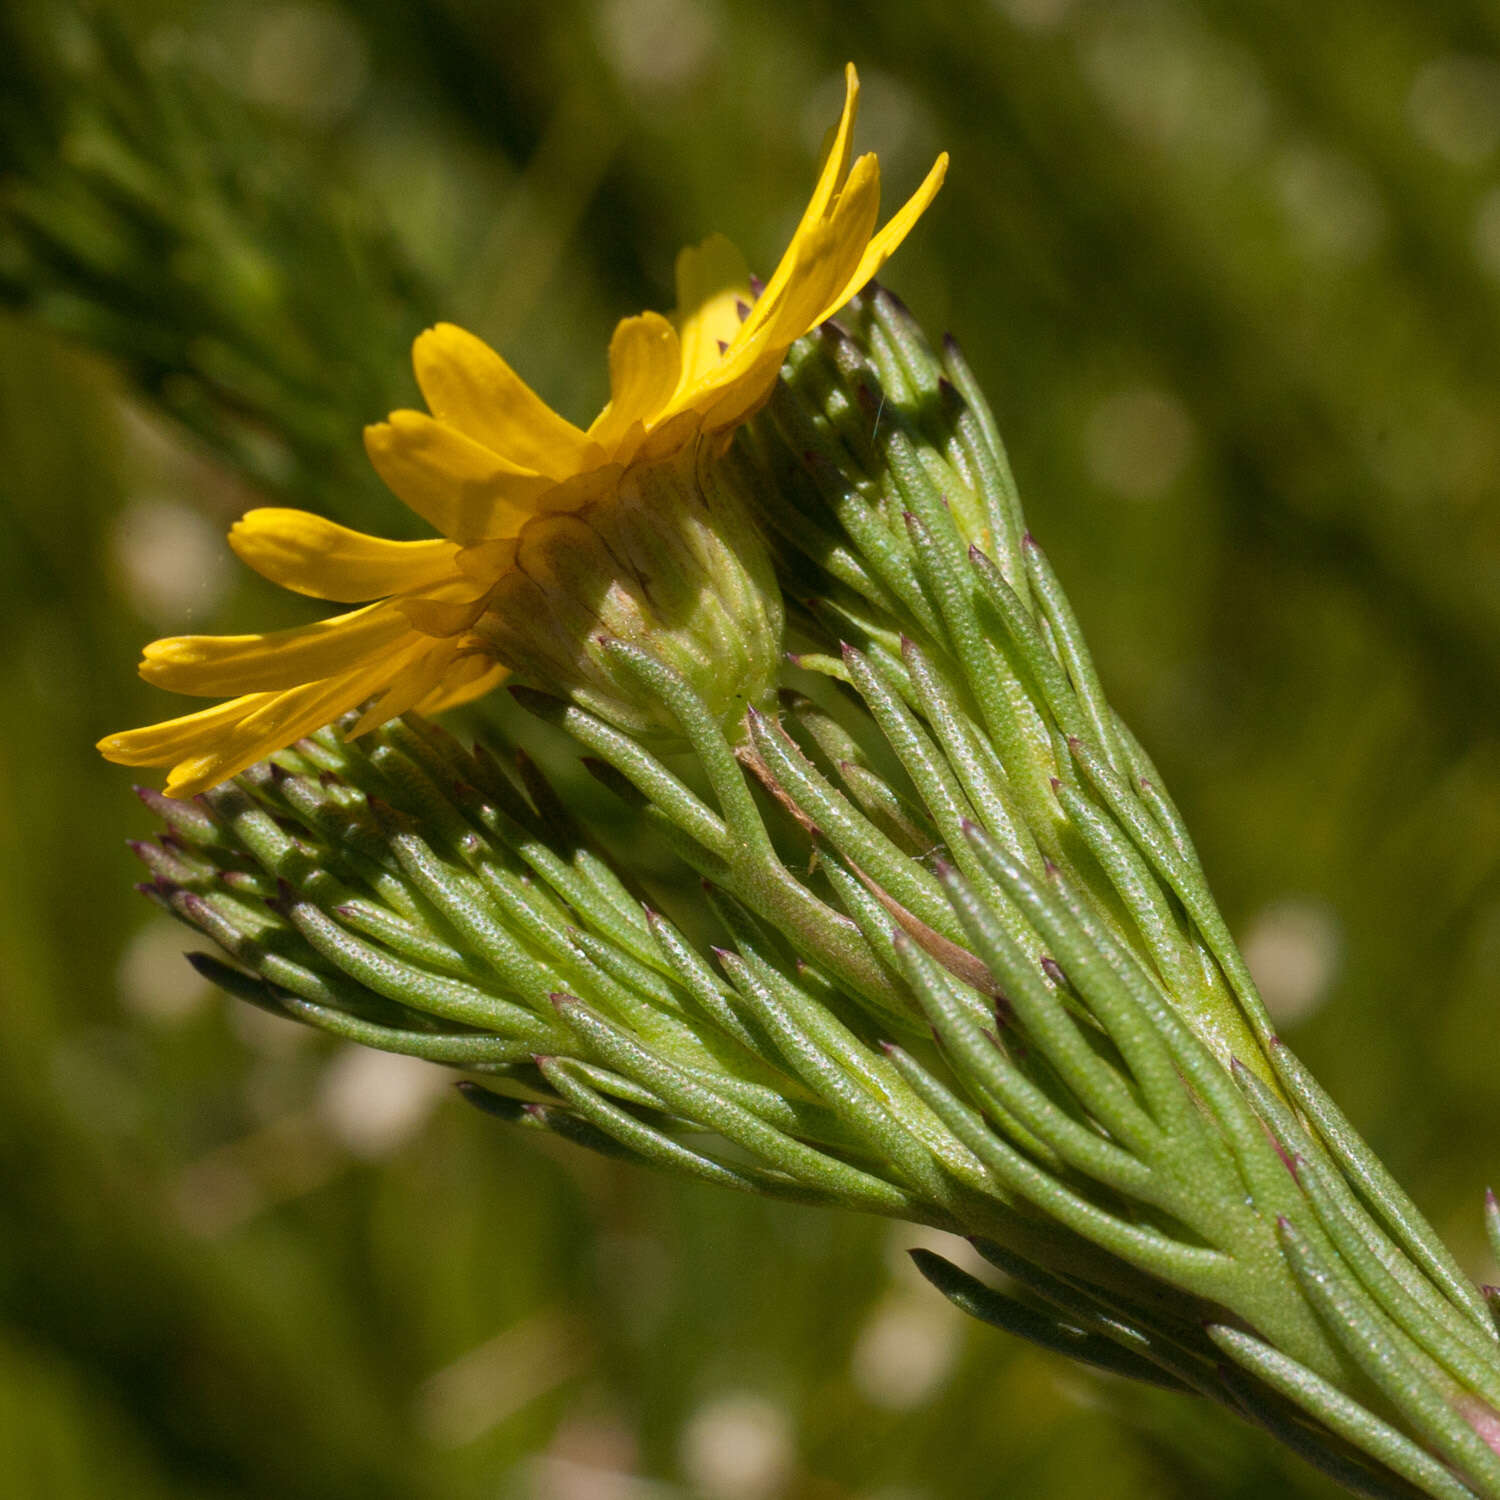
<point x="667" y="561"/>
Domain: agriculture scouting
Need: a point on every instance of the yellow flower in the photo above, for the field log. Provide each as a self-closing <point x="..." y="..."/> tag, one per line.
<point x="491" y="457"/>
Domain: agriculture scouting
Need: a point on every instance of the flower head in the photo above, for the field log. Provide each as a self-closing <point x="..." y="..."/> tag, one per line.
<point x="488" y="458"/>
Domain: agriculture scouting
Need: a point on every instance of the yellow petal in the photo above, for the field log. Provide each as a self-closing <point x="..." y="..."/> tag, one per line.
<point x="830" y="264"/>
<point x="160" y="744"/>
<point x="645" y="363"/>
<point x="444" y="617"/>
<point x="734" y="401"/>
<point x="468" y="678"/>
<point x="828" y="256"/>
<point x="469" y="386"/>
<point x="279" y="721"/>
<point x="835" y="168"/>
<point x="712" y="278"/>
<point x="624" y="447"/>
<point x="584" y="489"/>
<point x="830" y="179"/>
<point x="457" y="485"/>
<point x="278" y="659"/>
<point x="414" y="682"/>
<point x="310" y="555"/>
<point x="825" y="258"/>
<point x="896" y="229"/>
<point x="670" y="435"/>
<point x="743" y="379"/>
<point x="484" y="562"/>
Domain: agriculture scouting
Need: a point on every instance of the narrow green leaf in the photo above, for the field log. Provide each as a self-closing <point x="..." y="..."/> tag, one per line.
<point x="1144" y="899"/>
<point x="849" y="831"/>
<point x="388" y="976"/>
<point x="653" y="1148"/>
<point x="1238" y="1139"/>
<point x="996" y="597"/>
<point x="1374" y="1181"/>
<point x="974" y="762"/>
<point x="1255" y="1403"/>
<point x="702" y="729"/>
<point x="1011" y="716"/>
<point x="533" y="1115"/>
<point x="639" y="768"/>
<point x="979" y="1059"/>
<point x="705" y="986"/>
<point x="1184" y="881"/>
<point x="1295" y="1141"/>
<point x="1195" y="1268"/>
<point x="1001" y="495"/>
<point x="1074" y="653"/>
<point x="1361" y="1333"/>
<point x="1480" y="1373"/>
<point x="1113" y="993"/>
<point x="697" y="1101"/>
<point x="1132" y="1309"/>
<point x="972" y="1296"/>
<point x="1339" y="1412"/>
<point x="1147" y="781"/>
<point x="829" y="1076"/>
<point x="897" y="819"/>
<point x="1103" y="1092"/>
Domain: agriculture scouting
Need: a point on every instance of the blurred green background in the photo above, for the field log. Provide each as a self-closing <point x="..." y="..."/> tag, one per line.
<point x="1231" y="275"/>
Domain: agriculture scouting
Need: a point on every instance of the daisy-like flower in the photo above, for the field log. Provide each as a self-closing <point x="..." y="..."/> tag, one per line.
<point x="489" y="460"/>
